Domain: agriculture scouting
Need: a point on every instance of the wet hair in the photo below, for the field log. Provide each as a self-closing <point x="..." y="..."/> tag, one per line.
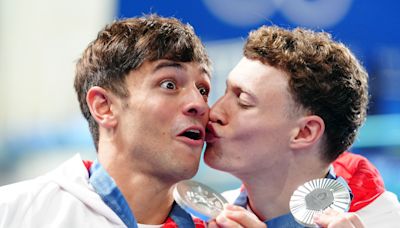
<point x="325" y="78"/>
<point x="125" y="45"/>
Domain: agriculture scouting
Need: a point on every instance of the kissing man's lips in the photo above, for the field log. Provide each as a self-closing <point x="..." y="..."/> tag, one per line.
<point x="211" y="135"/>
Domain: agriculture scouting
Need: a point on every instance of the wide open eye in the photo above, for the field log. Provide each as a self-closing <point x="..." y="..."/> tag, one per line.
<point x="168" y="84"/>
<point x="203" y="90"/>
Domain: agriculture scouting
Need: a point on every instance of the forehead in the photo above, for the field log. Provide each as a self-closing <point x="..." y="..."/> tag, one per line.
<point x="254" y="75"/>
<point x="150" y="70"/>
<point x="164" y="64"/>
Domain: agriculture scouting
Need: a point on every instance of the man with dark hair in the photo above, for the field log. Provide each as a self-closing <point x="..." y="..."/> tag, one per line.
<point x="293" y="105"/>
<point x="143" y="86"/>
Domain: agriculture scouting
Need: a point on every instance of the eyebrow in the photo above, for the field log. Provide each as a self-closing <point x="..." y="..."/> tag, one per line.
<point x="178" y="65"/>
<point x="165" y="64"/>
<point x="206" y="70"/>
<point x="241" y="89"/>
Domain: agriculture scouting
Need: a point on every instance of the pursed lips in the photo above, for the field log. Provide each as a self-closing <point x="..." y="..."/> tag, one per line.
<point x="211" y="135"/>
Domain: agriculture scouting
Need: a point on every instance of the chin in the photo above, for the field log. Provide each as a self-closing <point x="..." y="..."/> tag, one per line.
<point x="185" y="175"/>
<point x="189" y="171"/>
<point x="214" y="161"/>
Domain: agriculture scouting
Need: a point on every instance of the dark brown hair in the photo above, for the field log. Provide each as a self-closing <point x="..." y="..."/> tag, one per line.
<point x="325" y="78"/>
<point x="125" y="45"/>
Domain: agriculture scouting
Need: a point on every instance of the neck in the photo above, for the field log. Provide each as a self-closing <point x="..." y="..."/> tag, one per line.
<point x="150" y="200"/>
<point x="269" y="195"/>
<point x="149" y="197"/>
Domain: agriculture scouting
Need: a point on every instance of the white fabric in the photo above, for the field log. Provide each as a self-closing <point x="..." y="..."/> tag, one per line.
<point x="383" y="212"/>
<point x="149" y="226"/>
<point x="61" y="198"/>
<point x="231" y="195"/>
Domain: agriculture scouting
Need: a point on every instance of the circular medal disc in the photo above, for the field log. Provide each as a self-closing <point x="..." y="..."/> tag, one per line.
<point x="199" y="199"/>
<point x="315" y="196"/>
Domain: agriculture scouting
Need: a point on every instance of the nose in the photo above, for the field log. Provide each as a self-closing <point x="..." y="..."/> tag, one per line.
<point x="197" y="105"/>
<point x="217" y="113"/>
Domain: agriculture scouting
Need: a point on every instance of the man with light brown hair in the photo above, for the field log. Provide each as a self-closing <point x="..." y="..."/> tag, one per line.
<point x="292" y="106"/>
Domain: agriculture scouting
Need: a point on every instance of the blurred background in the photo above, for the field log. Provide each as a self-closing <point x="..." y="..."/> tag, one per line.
<point x="40" y="41"/>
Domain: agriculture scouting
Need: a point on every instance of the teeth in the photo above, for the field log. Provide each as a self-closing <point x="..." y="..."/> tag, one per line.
<point x="193" y="134"/>
<point x="194" y="131"/>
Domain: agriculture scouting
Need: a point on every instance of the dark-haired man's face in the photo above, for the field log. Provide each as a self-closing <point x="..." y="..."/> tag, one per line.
<point x="162" y="124"/>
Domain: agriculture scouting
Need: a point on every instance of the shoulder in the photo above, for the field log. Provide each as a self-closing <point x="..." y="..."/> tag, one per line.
<point x="72" y="170"/>
<point x="384" y="211"/>
<point x="363" y="178"/>
<point x="23" y="194"/>
<point x="60" y="194"/>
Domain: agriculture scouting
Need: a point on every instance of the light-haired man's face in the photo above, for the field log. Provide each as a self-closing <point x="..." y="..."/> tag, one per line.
<point x="250" y="126"/>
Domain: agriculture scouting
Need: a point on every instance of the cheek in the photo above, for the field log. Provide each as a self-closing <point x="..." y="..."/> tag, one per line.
<point x="248" y="130"/>
<point x="155" y="112"/>
<point x="255" y="135"/>
<point x="145" y="124"/>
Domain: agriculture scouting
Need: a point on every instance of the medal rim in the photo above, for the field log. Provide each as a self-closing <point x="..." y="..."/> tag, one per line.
<point x="347" y="198"/>
<point x="186" y="205"/>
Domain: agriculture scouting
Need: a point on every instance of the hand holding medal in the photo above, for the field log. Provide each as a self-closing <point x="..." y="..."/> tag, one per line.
<point x="199" y="199"/>
<point x="317" y="195"/>
<point x="310" y="199"/>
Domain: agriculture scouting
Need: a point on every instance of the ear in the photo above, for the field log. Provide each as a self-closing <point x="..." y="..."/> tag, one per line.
<point x="100" y="103"/>
<point x="309" y="132"/>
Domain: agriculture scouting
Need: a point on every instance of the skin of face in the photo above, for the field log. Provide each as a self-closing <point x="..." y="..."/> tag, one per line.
<point x="166" y="100"/>
<point x="252" y="123"/>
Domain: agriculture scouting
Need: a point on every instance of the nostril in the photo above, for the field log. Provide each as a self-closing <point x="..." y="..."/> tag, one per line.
<point x="196" y="108"/>
<point x="192" y="111"/>
<point x="219" y="122"/>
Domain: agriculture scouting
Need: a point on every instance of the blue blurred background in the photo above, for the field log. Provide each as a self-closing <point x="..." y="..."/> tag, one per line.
<point x="40" y="121"/>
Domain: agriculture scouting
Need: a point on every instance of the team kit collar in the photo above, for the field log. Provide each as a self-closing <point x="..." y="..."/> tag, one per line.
<point x="106" y="187"/>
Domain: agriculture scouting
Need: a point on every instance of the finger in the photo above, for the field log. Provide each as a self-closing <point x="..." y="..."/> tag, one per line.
<point x="224" y="222"/>
<point x="331" y="212"/>
<point x="212" y="224"/>
<point x="234" y="210"/>
<point x="233" y="207"/>
<point x="325" y="218"/>
<point x="341" y="222"/>
<point x="334" y="220"/>
<point x="355" y="220"/>
<point x="242" y="216"/>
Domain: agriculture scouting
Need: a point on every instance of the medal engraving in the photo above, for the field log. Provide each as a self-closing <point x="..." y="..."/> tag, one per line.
<point x="204" y="199"/>
<point x="319" y="199"/>
<point x="315" y="196"/>
<point x="199" y="199"/>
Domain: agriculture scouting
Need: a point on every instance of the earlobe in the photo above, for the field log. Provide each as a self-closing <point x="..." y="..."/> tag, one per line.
<point x="309" y="132"/>
<point x="100" y="105"/>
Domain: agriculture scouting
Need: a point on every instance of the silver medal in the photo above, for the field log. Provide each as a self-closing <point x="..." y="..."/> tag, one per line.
<point x="199" y="199"/>
<point x="315" y="196"/>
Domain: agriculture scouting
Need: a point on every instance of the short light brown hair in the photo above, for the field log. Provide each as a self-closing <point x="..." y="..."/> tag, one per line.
<point x="125" y="45"/>
<point x="325" y="78"/>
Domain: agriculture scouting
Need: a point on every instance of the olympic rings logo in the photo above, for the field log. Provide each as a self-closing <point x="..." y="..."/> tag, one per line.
<point x="311" y="13"/>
